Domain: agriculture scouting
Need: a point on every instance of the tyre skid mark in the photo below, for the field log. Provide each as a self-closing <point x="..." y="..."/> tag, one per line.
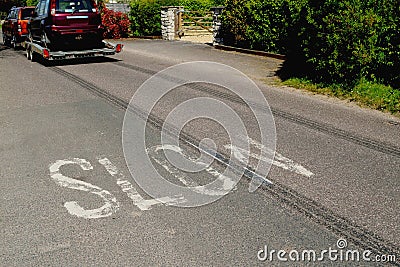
<point x="316" y="212"/>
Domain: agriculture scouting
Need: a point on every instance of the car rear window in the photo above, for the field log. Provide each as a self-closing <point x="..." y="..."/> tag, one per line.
<point x="66" y="6"/>
<point x="26" y="13"/>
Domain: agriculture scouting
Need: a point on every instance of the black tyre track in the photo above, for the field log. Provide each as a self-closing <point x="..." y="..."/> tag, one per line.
<point x="318" y="126"/>
<point x="340" y="226"/>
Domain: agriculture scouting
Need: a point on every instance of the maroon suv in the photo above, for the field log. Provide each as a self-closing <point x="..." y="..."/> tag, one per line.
<point x="66" y="25"/>
<point x="15" y="26"/>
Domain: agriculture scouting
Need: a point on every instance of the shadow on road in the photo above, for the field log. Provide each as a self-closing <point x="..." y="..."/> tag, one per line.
<point x="75" y="61"/>
<point x="3" y="47"/>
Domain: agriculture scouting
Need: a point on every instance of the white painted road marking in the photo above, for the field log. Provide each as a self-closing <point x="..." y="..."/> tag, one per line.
<point x="111" y="204"/>
<point x="279" y="160"/>
<point x="132" y="193"/>
<point x="226" y="183"/>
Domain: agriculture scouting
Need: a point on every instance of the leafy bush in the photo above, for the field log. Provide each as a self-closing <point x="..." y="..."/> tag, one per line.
<point x="32" y="2"/>
<point x="145" y="16"/>
<point x="116" y="24"/>
<point x="332" y="41"/>
<point x="345" y="41"/>
<point x="264" y="25"/>
<point x="199" y="4"/>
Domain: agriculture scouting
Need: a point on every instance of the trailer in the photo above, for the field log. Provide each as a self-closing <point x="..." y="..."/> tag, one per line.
<point x="34" y="49"/>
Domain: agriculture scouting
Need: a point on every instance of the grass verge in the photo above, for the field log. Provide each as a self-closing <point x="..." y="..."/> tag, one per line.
<point x="365" y="93"/>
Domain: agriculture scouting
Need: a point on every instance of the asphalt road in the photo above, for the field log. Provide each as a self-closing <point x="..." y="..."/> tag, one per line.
<point x="66" y="121"/>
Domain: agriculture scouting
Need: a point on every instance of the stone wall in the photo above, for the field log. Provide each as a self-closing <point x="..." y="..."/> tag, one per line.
<point x="217" y="34"/>
<point x="168" y="22"/>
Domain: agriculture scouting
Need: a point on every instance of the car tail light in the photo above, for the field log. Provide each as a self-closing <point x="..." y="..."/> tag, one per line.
<point x="118" y="48"/>
<point x="19" y="26"/>
<point x="46" y="53"/>
<point x="53" y="7"/>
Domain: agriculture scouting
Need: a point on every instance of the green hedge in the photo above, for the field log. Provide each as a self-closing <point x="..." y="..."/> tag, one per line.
<point x="146" y="18"/>
<point x="256" y="24"/>
<point x="333" y="41"/>
<point x="32" y="2"/>
<point x="348" y="40"/>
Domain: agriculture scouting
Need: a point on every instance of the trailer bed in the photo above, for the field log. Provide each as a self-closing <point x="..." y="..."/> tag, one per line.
<point x="33" y="48"/>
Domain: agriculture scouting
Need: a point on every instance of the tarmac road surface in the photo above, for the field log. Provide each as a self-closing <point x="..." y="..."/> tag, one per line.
<point x="68" y="198"/>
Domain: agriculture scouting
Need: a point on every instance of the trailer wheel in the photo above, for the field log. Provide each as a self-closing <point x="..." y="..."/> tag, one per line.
<point x="30" y="55"/>
<point x="14" y="43"/>
<point x="33" y="56"/>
